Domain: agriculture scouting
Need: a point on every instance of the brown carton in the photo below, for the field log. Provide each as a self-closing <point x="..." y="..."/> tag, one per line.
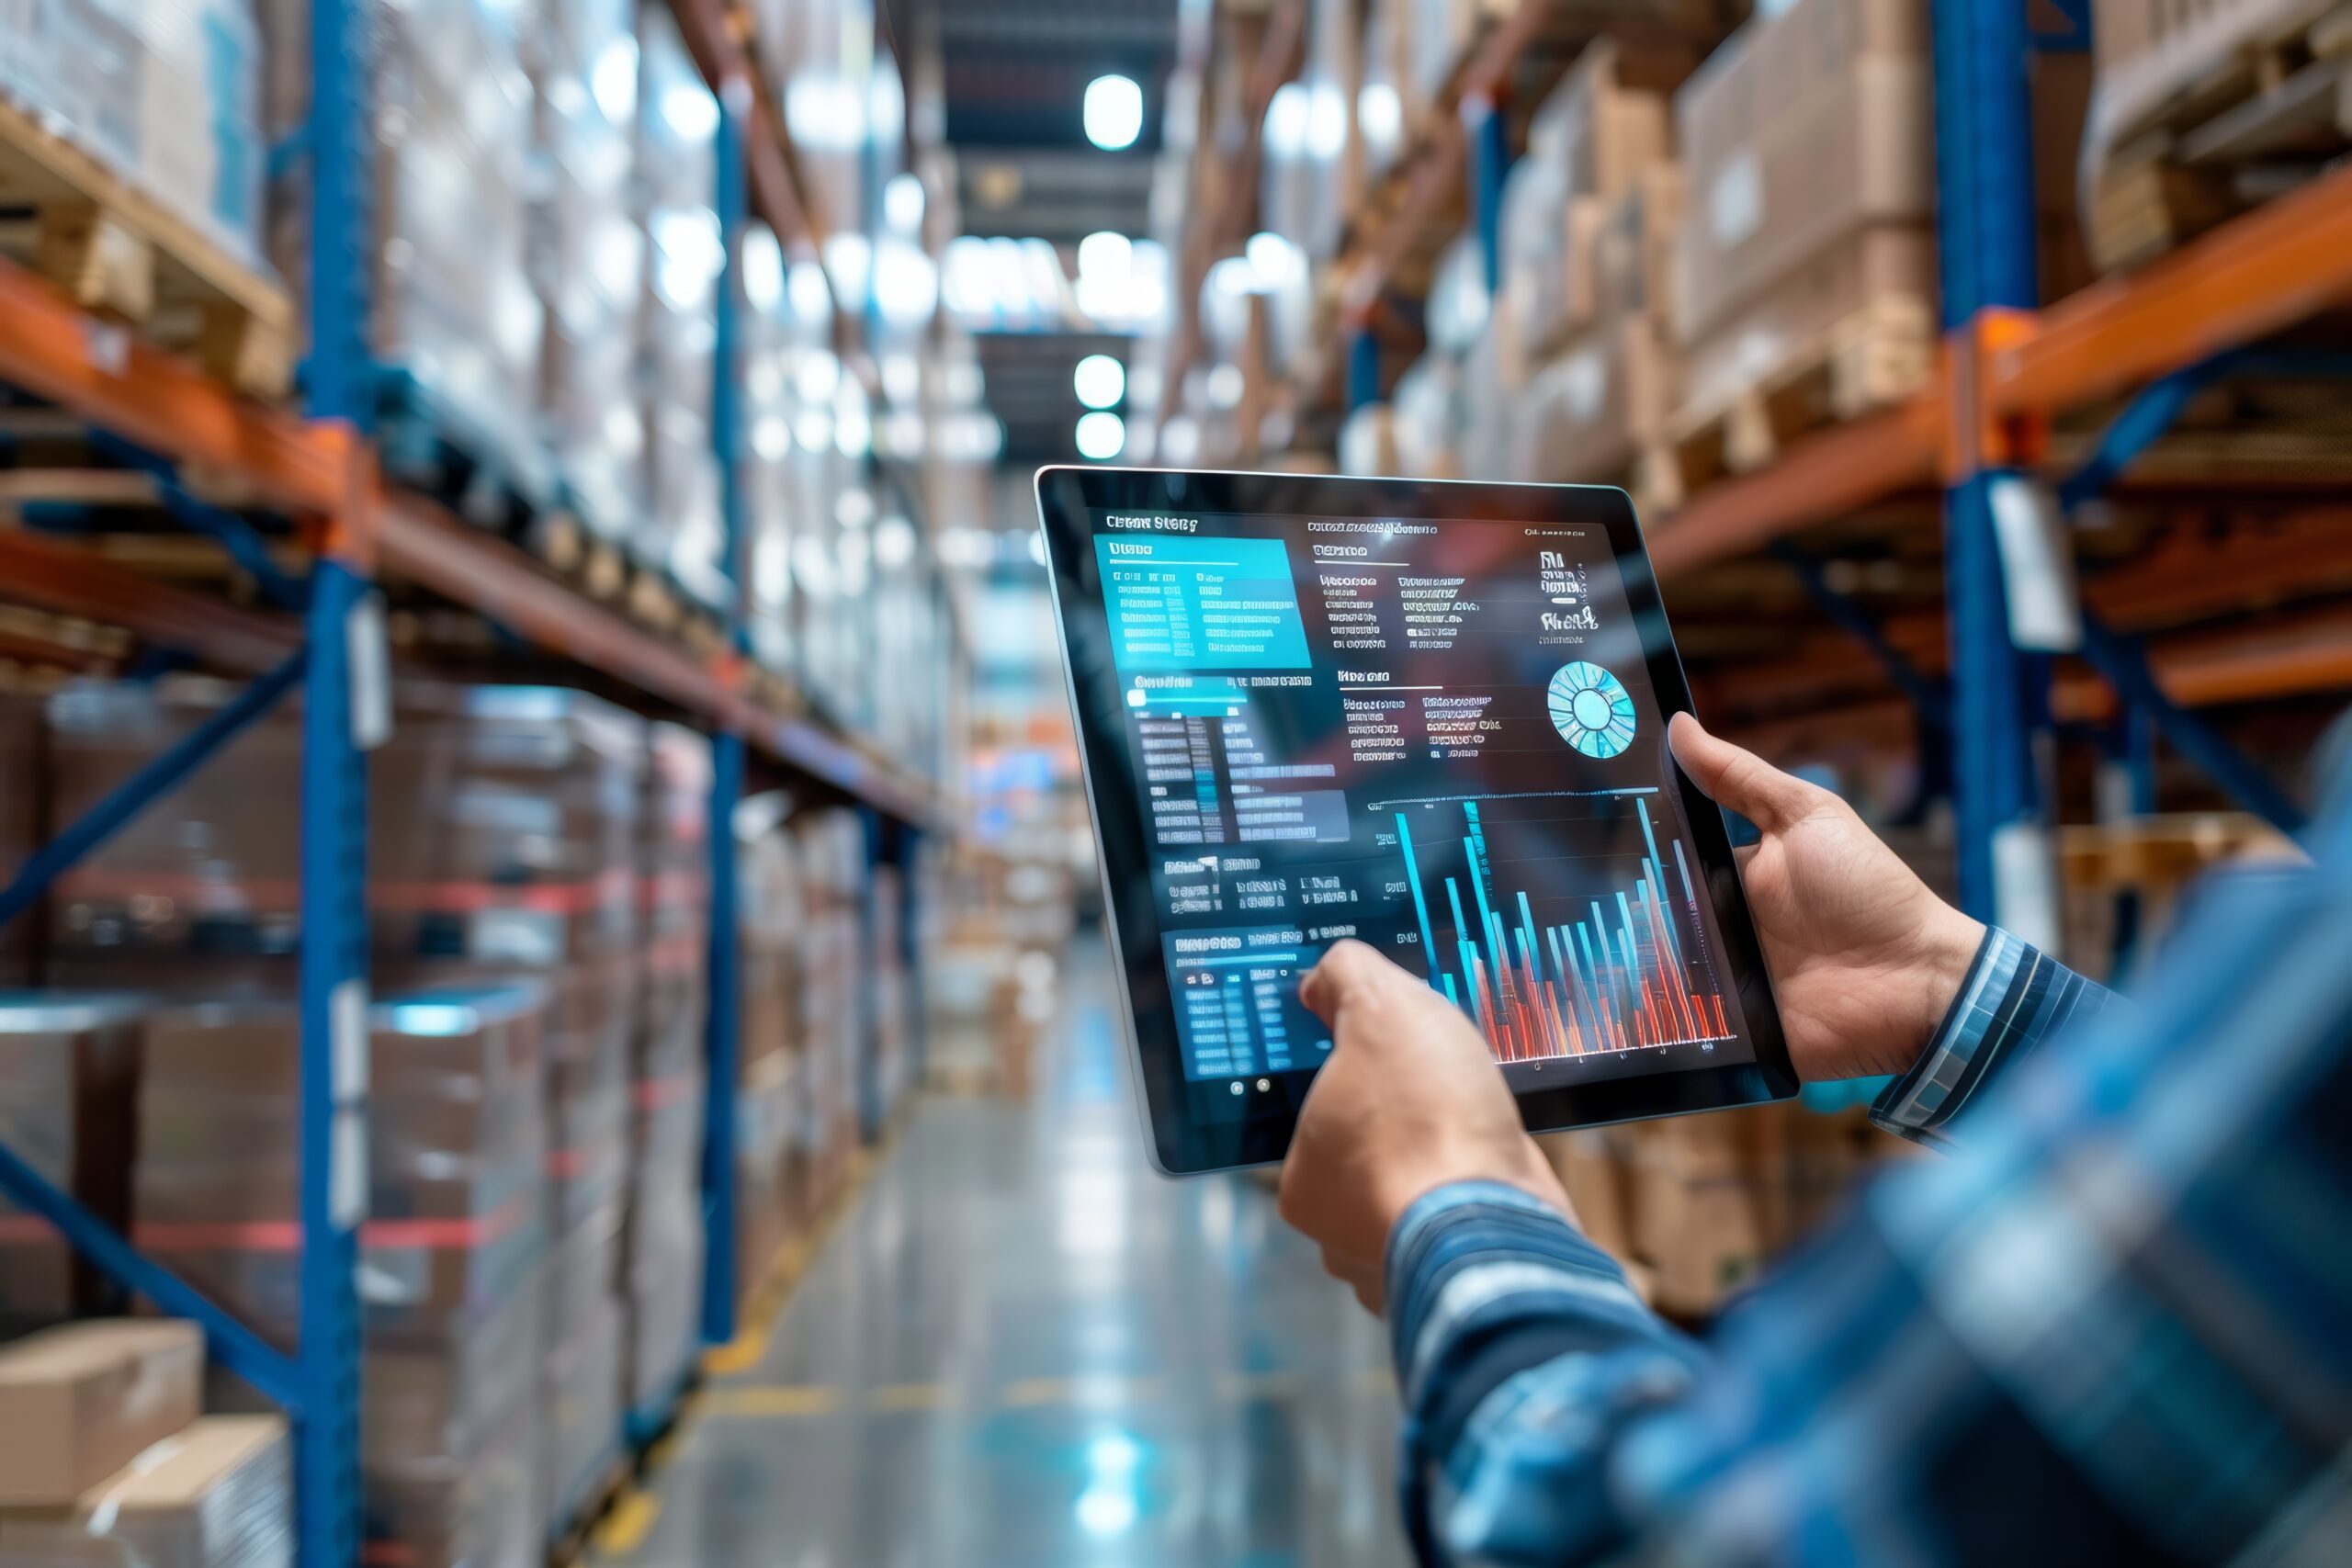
<point x="218" y="1495"/>
<point x="1806" y="131"/>
<point x="79" y="1403"/>
<point x="1586" y="416"/>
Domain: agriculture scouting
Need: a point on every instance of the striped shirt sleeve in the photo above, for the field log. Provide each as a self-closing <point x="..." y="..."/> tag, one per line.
<point x="2015" y="998"/>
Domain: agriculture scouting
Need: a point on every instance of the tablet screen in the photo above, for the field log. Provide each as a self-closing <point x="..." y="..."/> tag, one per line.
<point x="1439" y="735"/>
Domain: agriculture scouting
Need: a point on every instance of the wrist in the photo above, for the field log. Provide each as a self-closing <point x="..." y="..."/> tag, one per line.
<point x="1947" y="956"/>
<point x="1523" y="1167"/>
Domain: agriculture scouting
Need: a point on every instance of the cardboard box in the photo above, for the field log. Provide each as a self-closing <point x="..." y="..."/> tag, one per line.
<point x="1597" y="130"/>
<point x="80" y="1401"/>
<point x="68" y="1099"/>
<point x="1807" y="130"/>
<point x="1586" y="415"/>
<point x="217" y="1495"/>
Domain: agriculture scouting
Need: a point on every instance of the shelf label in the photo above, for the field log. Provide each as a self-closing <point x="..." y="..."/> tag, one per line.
<point x="347" y="1029"/>
<point x="347" y="1172"/>
<point x="371" y="673"/>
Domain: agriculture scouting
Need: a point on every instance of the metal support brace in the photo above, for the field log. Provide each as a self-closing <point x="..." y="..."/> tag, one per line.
<point x="870" y="1118"/>
<point x="339" y="375"/>
<point x="2123" y="665"/>
<point x="230" y="1342"/>
<point x="1985" y="204"/>
<point x="1931" y="696"/>
<point x="333" y="1076"/>
<point x="141" y="789"/>
<point x="723" y="1019"/>
<point x="1489" y="161"/>
<point x="239" y="539"/>
<point x="1363" y="367"/>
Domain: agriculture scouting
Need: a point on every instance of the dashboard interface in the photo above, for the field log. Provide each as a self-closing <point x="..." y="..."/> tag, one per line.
<point x="1438" y="737"/>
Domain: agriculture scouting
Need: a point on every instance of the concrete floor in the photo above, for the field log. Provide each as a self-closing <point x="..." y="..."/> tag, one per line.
<point x="1022" y="1348"/>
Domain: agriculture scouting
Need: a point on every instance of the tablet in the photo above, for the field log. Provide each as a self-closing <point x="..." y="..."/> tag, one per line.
<point x="1427" y="715"/>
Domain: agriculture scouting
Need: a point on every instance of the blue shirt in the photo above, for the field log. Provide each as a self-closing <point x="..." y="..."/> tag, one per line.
<point x="2116" y="1326"/>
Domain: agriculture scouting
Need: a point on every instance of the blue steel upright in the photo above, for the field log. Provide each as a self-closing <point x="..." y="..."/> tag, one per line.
<point x="722" y="1269"/>
<point x="1985" y="209"/>
<point x="334" y="824"/>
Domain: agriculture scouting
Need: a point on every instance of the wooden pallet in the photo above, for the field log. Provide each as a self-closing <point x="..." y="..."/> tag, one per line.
<point x="2257" y="119"/>
<point x="590" y="562"/>
<point x="124" y="255"/>
<point x="1870" y="359"/>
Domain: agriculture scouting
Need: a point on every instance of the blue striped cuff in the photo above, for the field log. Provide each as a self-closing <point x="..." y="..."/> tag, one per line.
<point x="1465" y="1257"/>
<point x="2015" y="997"/>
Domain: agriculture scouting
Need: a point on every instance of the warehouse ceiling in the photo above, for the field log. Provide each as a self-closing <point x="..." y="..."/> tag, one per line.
<point x="1012" y="76"/>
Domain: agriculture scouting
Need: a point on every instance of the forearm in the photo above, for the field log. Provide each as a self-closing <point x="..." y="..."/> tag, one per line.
<point x="1521" y="1356"/>
<point x="2014" y="997"/>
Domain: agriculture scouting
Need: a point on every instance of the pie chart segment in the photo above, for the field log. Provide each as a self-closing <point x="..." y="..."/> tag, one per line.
<point x="1592" y="709"/>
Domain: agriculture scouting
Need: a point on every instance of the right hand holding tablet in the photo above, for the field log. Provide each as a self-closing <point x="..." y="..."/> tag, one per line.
<point x="1864" y="957"/>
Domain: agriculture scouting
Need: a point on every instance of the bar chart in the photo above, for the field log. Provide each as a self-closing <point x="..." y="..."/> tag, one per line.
<point x="1620" y="963"/>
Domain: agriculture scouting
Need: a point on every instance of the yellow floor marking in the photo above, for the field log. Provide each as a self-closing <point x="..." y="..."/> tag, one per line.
<point x="1249" y="1387"/>
<point x="770" y="1402"/>
<point x="1380" y="1380"/>
<point x="630" y="1521"/>
<point x="1034" y="1390"/>
<point x="906" y="1396"/>
<point x="741" y="1354"/>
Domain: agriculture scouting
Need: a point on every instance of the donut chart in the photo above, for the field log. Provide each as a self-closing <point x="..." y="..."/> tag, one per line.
<point x="1592" y="709"/>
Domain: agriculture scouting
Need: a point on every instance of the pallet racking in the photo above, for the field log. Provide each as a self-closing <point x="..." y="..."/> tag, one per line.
<point x="1979" y="430"/>
<point x="319" y="469"/>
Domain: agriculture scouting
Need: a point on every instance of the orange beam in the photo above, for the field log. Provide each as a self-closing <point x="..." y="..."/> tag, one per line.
<point x="75" y="582"/>
<point x="104" y="375"/>
<point x="425" y="545"/>
<point x="2258" y="274"/>
<point x="1826" y="476"/>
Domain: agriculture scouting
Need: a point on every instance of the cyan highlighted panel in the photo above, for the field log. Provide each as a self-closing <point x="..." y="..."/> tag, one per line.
<point x="1190" y="603"/>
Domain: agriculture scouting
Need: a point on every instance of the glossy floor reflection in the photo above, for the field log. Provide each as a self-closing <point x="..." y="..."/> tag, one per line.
<point x="1022" y="1348"/>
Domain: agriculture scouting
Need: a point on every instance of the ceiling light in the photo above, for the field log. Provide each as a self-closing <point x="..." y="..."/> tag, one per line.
<point x="902" y="202"/>
<point x="1274" y="260"/>
<point x="1100" y="436"/>
<point x="1105" y="254"/>
<point x="1113" y="112"/>
<point x="1101" y="381"/>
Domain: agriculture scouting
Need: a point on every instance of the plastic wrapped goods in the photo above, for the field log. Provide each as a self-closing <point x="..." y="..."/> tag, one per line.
<point x="451" y="1254"/>
<point x="451" y="306"/>
<point x="588" y="253"/>
<point x="165" y="92"/>
<point x="218" y="1495"/>
<point x="68" y="1068"/>
<point x="202" y="898"/>
<point x="683" y="532"/>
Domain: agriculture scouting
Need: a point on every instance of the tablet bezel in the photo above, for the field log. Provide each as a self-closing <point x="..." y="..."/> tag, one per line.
<point x="1180" y="1145"/>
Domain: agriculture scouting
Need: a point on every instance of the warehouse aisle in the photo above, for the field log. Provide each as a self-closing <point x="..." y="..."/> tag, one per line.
<point x="1022" y="1349"/>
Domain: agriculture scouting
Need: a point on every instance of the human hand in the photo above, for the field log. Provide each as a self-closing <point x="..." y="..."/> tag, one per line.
<point x="1410" y="1100"/>
<point x="1864" y="958"/>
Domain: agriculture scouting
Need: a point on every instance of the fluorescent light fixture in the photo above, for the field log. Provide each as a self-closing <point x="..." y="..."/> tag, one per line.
<point x="818" y="377"/>
<point x="1274" y="260"/>
<point x="1380" y="114"/>
<point x="901" y="378"/>
<point x="1180" y="440"/>
<point x="1099" y="380"/>
<point x="902" y="203"/>
<point x="1233" y="276"/>
<point x="763" y="269"/>
<point x="691" y="110"/>
<point x="612" y="80"/>
<point x="906" y="284"/>
<point x="894" y="543"/>
<point x="849" y="262"/>
<point x="854" y="509"/>
<point x="1226" y="386"/>
<point x="1286" y="122"/>
<point x="1105" y="253"/>
<point x="1100" y="436"/>
<point x="1113" y="112"/>
<point x="812" y="297"/>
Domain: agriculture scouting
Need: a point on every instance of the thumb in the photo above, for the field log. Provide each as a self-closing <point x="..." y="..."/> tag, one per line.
<point x="1350" y="972"/>
<point x="1737" y="779"/>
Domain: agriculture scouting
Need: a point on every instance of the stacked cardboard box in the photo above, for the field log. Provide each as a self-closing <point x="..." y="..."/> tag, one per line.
<point x="452" y="306"/>
<point x="68" y="1069"/>
<point x="1696" y="1206"/>
<point x="662" y="1234"/>
<point x="203" y="898"/>
<point x="451" y="1252"/>
<point x="587" y="255"/>
<point x="1810" y="243"/>
<point x="681" y="534"/>
<point x="1585" y="292"/>
<point x="770" y="1059"/>
<point x="103" y="1459"/>
<point x="165" y="92"/>
<point x="505" y="832"/>
<point x="833" y="1001"/>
